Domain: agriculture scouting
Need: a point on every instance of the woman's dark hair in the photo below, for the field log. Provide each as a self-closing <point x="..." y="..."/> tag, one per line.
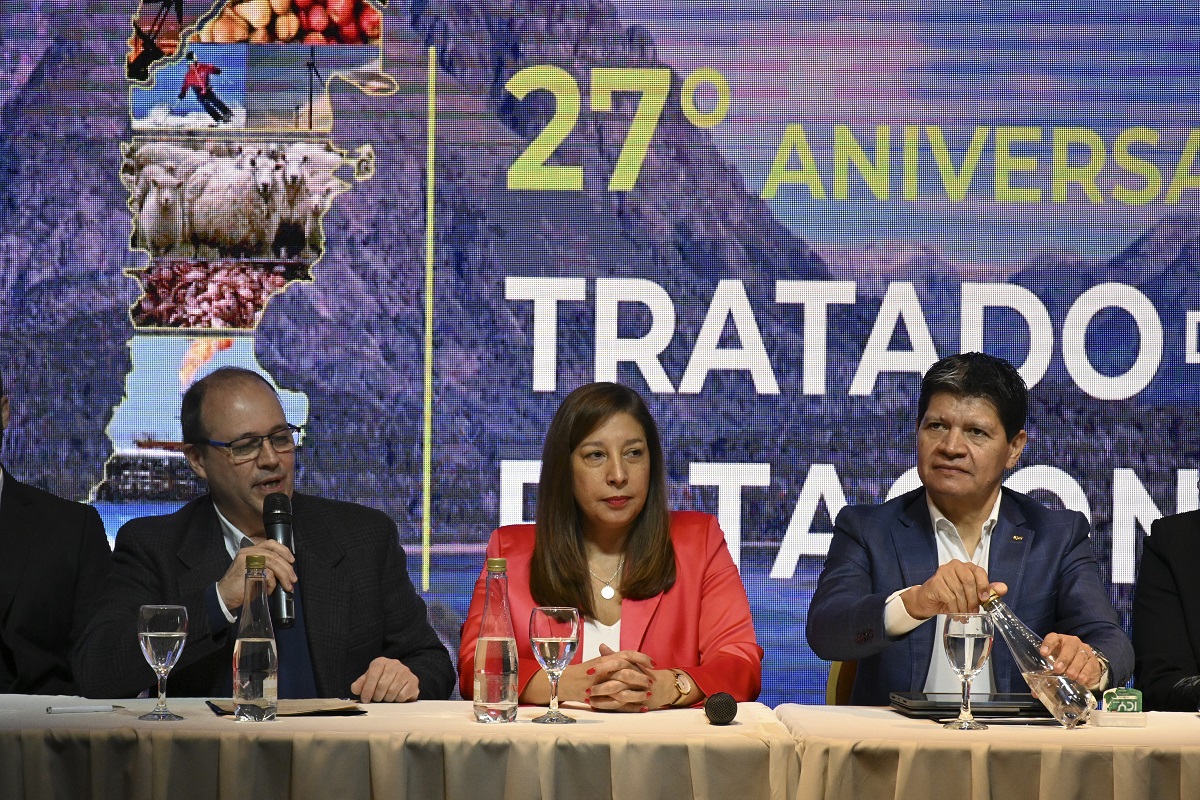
<point x="559" y="570"/>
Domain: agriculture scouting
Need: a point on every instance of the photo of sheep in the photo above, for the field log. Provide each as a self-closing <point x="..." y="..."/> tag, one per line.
<point x="227" y="224"/>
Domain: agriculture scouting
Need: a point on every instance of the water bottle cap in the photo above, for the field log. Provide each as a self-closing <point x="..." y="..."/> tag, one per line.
<point x="256" y="562"/>
<point x="497" y="565"/>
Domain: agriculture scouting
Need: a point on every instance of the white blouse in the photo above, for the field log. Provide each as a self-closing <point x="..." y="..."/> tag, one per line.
<point x="594" y="633"/>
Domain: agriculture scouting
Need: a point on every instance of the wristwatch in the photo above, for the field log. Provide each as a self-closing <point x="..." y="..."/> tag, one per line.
<point x="683" y="685"/>
<point x="1105" y="669"/>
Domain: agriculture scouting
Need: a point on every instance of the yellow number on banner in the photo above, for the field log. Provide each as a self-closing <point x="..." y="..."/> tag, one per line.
<point x="530" y="170"/>
<point x="654" y="85"/>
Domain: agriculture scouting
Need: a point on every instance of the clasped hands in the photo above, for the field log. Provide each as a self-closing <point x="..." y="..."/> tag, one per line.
<point x="616" y="680"/>
<point x="959" y="587"/>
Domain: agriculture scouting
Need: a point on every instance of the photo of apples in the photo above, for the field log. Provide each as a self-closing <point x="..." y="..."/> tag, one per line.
<point x="309" y="22"/>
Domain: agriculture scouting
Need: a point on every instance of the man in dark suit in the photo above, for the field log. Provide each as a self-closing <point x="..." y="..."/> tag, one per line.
<point x="54" y="559"/>
<point x="1166" y="615"/>
<point x="943" y="548"/>
<point x="361" y="627"/>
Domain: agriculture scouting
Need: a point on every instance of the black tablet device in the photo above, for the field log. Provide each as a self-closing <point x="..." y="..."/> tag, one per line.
<point x="937" y="705"/>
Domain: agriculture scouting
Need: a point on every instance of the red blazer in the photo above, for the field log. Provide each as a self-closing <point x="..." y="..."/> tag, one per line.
<point x="701" y="625"/>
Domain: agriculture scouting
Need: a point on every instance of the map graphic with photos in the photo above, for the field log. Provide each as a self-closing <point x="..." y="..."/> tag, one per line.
<point x="230" y="174"/>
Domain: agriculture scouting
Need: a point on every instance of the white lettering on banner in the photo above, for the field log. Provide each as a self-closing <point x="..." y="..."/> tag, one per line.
<point x="900" y="303"/>
<point x="729" y="480"/>
<point x="1191" y="335"/>
<point x="1053" y="480"/>
<point x="822" y="484"/>
<point x="816" y="297"/>
<point x="644" y="351"/>
<point x="514" y="477"/>
<point x="729" y="302"/>
<point x="977" y="297"/>
<point x="545" y="294"/>
<point x="1133" y="509"/>
<point x="1150" y="341"/>
<point x="1132" y="506"/>
<point x="905" y="483"/>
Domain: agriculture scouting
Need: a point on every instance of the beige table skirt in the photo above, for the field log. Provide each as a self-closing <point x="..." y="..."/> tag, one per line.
<point x="850" y="753"/>
<point x="418" y="750"/>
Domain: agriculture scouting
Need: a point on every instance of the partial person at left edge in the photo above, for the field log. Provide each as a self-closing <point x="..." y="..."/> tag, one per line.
<point x="360" y="627"/>
<point x="54" y="560"/>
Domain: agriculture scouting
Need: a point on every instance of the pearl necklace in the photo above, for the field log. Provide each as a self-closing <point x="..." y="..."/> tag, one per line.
<point x="608" y="592"/>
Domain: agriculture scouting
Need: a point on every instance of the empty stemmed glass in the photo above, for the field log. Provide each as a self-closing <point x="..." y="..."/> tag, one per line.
<point x="161" y="633"/>
<point x="554" y="635"/>
<point x="968" y="642"/>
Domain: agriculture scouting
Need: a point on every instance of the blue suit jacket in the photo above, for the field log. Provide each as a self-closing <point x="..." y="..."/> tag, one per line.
<point x="1044" y="556"/>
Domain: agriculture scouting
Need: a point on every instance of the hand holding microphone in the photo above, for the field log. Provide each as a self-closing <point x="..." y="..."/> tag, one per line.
<point x="277" y="521"/>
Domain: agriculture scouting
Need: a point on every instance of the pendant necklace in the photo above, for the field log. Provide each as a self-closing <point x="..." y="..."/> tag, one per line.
<point x="608" y="592"/>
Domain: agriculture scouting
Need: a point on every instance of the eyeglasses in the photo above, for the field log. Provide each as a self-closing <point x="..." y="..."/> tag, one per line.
<point x="247" y="448"/>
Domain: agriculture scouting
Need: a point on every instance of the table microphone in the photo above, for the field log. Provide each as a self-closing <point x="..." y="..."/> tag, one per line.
<point x="277" y="520"/>
<point x="720" y="708"/>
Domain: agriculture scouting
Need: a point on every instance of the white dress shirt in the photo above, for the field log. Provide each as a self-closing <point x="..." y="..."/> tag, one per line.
<point x="897" y="620"/>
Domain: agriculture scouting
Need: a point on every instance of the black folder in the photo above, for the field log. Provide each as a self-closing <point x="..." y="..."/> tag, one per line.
<point x="938" y="705"/>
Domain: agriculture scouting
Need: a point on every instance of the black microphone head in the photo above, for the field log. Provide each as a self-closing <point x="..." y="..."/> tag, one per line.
<point x="277" y="506"/>
<point x="720" y="708"/>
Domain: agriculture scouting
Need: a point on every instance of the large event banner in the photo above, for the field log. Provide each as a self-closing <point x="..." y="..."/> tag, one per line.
<point x="427" y="222"/>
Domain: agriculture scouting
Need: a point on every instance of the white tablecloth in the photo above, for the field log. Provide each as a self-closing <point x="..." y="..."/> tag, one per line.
<point x="419" y="750"/>
<point x="854" y="753"/>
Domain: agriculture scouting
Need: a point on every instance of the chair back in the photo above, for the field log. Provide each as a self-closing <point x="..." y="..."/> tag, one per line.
<point x="840" y="682"/>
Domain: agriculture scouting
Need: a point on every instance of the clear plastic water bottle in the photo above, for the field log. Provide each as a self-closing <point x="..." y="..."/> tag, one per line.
<point x="255" y="658"/>
<point x="1068" y="700"/>
<point x="496" y="651"/>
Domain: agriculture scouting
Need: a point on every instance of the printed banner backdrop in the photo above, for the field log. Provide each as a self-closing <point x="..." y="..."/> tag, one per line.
<point x="427" y="222"/>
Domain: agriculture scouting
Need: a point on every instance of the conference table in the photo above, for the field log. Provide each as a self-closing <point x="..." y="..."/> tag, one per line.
<point x="437" y="750"/>
<point x="854" y="753"/>
<point x="420" y="750"/>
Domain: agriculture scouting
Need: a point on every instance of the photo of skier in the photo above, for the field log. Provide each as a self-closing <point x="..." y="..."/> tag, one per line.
<point x="197" y="79"/>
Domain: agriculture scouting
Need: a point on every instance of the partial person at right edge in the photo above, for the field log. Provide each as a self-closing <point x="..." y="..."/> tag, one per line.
<point x="54" y="565"/>
<point x="942" y="548"/>
<point x="1166" y="615"/>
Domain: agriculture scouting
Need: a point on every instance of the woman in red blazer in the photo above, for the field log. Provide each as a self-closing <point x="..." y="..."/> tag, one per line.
<point x="666" y="619"/>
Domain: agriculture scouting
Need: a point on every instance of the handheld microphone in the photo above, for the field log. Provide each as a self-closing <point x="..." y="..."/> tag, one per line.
<point x="720" y="708"/>
<point x="277" y="520"/>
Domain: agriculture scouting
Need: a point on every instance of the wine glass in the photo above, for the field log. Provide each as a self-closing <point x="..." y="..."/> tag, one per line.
<point x="554" y="635"/>
<point x="968" y="641"/>
<point x="161" y="633"/>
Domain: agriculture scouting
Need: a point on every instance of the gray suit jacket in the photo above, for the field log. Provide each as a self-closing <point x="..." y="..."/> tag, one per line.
<point x="359" y="602"/>
<point x="1044" y="555"/>
<point x="54" y="565"/>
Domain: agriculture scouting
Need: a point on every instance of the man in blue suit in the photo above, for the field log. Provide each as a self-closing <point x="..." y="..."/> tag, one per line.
<point x="941" y="549"/>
